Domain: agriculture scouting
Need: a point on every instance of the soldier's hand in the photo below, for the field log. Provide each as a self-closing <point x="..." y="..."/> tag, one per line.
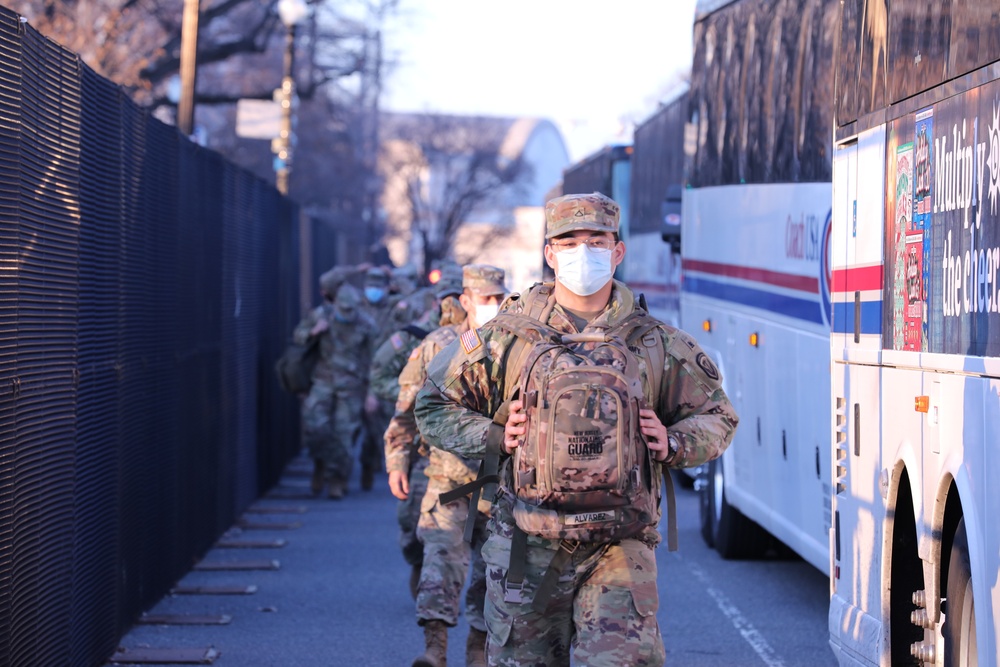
<point x="318" y="328"/>
<point x="399" y="485"/>
<point x="655" y="432"/>
<point x="514" y="429"/>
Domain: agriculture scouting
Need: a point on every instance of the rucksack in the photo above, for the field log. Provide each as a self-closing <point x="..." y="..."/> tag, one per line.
<point x="295" y="366"/>
<point x="583" y="471"/>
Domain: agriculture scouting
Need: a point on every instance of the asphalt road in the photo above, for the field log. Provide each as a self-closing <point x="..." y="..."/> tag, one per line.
<point x="340" y="596"/>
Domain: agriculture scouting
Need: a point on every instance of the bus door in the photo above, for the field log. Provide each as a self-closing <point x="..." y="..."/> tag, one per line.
<point x="856" y="257"/>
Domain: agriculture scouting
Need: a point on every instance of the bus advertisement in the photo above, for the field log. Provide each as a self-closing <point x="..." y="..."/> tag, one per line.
<point x="915" y="547"/>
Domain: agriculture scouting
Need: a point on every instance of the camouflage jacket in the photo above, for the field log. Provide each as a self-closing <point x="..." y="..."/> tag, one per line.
<point x="465" y="387"/>
<point x="402" y="437"/>
<point x="345" y="348"/>
<point x="390" y="358"/>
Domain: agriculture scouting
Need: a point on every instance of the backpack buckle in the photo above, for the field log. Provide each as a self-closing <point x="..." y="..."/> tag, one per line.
<point x="512" y="593"/>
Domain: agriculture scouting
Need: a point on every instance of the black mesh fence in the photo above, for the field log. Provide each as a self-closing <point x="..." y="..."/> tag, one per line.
<point x="146" y="288"/>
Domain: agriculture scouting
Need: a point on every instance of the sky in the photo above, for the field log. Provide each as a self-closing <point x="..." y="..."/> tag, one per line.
<point x="590" y="66"/>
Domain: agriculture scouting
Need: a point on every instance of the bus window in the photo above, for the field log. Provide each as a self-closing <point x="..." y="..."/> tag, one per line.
<point x="847" y="62"/>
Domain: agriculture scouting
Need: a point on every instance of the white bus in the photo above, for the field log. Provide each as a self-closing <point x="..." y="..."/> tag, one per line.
<point x="755" y="271"/>
<point x="915" y="545"/>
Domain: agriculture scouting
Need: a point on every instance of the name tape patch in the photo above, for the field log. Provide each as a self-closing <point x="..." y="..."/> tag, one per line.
<point x="588" y="517"/>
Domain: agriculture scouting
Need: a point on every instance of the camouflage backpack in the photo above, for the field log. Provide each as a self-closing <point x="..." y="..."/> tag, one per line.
<point x="583" y="471"/>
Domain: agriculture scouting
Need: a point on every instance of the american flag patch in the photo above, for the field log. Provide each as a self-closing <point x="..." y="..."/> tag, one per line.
<point x="471" y="341"/>
<point x="397" y="341"/>
<point x="415" y="353"/>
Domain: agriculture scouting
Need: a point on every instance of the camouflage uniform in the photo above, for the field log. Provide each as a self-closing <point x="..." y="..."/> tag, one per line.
<point x="331" y="411"/>
<point x="441" y="527"/>
<point x="608" y="592"/>
<point x="402" y="450"/>
<point x="381" y="313"/>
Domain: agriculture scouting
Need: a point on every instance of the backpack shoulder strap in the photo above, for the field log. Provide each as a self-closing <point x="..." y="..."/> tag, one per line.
<point x="640" y="332"/>
<point x="416" y="331"/>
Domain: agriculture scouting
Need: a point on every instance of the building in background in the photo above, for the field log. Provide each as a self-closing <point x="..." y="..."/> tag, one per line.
<point x="470" y="189"/>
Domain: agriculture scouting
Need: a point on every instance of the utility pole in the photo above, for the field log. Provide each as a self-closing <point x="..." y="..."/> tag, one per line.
<point x="189" y="67"/>
<point x="292" y="12"/>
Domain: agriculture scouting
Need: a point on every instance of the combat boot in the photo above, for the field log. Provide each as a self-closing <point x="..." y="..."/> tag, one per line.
<point x="436" y="638"/>
<point x="337" y="490"/>
<point x="475" y="648"/>
<point x="316" y="483"/>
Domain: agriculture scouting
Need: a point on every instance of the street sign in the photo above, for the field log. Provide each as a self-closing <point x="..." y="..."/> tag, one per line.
<point x="258" y="119"/>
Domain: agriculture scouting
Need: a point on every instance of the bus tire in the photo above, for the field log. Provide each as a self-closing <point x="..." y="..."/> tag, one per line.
<point x="706" y="505"/>
<point x="733" y="535"/>
<point x="959" y="630"/>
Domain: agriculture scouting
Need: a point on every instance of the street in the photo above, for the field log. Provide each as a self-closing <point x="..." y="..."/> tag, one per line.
<point x="340" y="595"/>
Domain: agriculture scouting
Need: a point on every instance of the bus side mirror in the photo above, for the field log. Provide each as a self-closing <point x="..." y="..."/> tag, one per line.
<point x="670" y="218"/>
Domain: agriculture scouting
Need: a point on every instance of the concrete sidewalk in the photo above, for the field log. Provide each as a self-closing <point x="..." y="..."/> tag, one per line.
<point x="339" y="594"/>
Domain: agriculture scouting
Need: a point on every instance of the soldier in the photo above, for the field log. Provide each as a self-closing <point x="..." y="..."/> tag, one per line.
<point x="442" y="526"/>
<point x="403" y="451"/>
<point x="391" y="356"/>
<point x="379" y="306"/>
<point x="403" y="280"/>
<point x="595" y="600"/>
<point x="331" y="411"/>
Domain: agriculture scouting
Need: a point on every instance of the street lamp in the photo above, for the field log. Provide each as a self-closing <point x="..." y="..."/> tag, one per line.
<point x="291" y="12"/>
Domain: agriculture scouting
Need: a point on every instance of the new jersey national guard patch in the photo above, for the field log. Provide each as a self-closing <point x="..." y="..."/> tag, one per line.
<point x="471" y="341"/>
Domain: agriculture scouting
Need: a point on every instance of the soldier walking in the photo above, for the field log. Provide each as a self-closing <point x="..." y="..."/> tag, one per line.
<point x="446" y="555"/>
<point x="558" y="586"/>
<point x="331" y="413"/>
<point x="403" y="450"/>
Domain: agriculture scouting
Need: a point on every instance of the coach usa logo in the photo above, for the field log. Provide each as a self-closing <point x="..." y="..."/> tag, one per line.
<point x="705" y="364"/>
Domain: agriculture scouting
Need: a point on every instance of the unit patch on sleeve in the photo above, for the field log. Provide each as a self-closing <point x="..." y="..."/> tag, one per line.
<point x="471" y="341"/>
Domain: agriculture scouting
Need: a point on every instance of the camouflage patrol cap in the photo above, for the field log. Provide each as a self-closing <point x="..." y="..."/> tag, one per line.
<point x="334" y="278"/>
<point x="348" y="298"/>
<point x="408" y="270"/>
<point x="376" y="276"/>
<point x="483" y="279"/>
<point x="450" y="281"/>
<point x="569" y="213"/>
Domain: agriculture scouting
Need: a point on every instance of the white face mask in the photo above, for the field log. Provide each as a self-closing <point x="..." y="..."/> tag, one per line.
<point x="584" y="270"/>
<point x="486" y="313"/>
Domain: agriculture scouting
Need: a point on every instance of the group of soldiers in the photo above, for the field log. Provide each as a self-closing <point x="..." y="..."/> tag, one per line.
<point x="430" y="374"/>
<point x="374" y="349"/>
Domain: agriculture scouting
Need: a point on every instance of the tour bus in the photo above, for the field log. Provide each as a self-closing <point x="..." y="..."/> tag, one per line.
<point x="653" y="259"/>
<point x="608" y="171"/>
<point x="755" y="275"/>
<point x="915" y="542"/>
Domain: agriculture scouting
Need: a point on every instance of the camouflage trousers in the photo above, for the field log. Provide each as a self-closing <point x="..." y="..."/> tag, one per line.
<point x="602" y="612"/>
<point x="408" y="512"/>
<point x="331" y="428"/>
<point x="446" y="559"/>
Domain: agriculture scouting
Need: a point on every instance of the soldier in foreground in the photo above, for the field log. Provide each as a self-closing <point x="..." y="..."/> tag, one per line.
<point x="570" y="563"/>
<point x="441" y="527"/>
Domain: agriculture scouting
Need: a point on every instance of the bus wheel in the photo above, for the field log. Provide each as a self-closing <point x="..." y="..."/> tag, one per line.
<point x="959" y="628"/>
<point x="707" y="501"/>
<point x="733" y="535"/>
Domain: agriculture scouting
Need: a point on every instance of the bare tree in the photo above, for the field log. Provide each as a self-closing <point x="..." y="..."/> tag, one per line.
<point x="136" y="43"/>
<point x="444" y="172"/>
